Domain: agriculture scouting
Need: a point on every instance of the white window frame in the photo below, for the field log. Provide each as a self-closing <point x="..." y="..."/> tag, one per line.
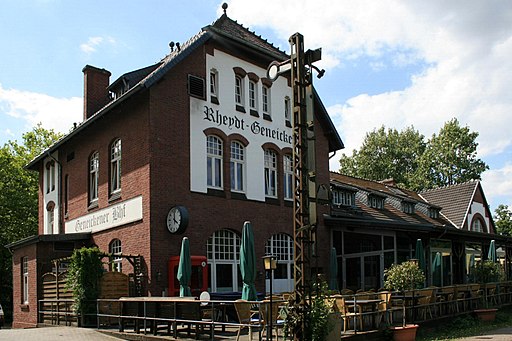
<point x="476" y="225"/>
<point x="115" y="248"/>
<point x="253" y="95"/>
<point x="51" y="221"/>
<point x="239" y="91"/>
<point x="237" y="166"/>
<point x="270" y="174"/>
<point x="24" y="272"/>
<point x="223" y="248"/>
<point x="94" y="167"/>
<point x="281" y="247"/>
<point x="214" y="83"/>
<point x="343" y="197"/>
<point x="265" y="99"/>
<point x="214" y="162"/>
<point x="287" y="111"/>
<point x="115" y="166"/>
<point x="288" y="177"/>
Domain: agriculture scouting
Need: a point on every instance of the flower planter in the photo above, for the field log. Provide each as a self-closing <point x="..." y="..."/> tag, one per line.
<point x="486" y="314"/>
<point x="404" y="333"/>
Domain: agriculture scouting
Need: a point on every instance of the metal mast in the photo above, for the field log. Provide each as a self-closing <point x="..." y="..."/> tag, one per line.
<point x="305" y="218"/>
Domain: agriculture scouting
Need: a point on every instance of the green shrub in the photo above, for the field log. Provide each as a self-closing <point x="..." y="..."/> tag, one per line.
<point x="403" y="276"/>
<point x="487" y="272"/>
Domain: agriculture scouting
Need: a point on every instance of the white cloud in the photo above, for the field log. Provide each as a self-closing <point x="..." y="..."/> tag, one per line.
<point x="94" y="42"/>
<point x="33" y="108"/>
<point x="498" y="184"/>
<point x="466" y="46"/>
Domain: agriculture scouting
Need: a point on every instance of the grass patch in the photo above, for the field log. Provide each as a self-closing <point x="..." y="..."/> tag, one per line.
<point x="465" y="326"/>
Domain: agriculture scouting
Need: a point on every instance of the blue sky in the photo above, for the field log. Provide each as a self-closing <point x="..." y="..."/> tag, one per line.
<point x="395" y="62"/>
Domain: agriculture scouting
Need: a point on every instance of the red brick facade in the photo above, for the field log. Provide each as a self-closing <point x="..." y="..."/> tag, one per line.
<point x="153" y="124"/>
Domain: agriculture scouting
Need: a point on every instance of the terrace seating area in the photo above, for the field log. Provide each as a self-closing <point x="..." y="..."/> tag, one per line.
<point x="357" y="312"/>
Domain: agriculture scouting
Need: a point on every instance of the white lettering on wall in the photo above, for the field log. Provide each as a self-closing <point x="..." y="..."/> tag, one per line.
<point x="116" y="215"/>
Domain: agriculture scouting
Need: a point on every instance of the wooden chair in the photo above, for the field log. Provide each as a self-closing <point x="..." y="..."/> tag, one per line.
<point x="277" y="323"/>
<point x="346" y="315"/>
<point x="476" y="295"/>
<point x="384" y="307"/>
<point x="246" y="317"/>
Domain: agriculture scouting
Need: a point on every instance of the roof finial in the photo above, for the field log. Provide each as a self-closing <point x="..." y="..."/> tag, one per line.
<point x="224" y="7"/>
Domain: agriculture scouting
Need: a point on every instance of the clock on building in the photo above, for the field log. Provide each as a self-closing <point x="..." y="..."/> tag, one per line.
<point x="177" y="219"/>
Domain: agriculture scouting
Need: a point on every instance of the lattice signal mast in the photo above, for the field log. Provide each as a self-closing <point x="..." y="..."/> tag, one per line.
<point x="301" y="67"/>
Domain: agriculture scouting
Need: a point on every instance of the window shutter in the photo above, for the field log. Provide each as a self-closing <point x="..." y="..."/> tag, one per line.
<point x="196" y="87"/>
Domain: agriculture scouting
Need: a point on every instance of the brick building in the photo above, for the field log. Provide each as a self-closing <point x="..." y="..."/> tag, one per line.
<point x="202" y="134"/>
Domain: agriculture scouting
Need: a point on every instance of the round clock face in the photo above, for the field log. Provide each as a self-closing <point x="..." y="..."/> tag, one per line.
<point x="177" y="219"/>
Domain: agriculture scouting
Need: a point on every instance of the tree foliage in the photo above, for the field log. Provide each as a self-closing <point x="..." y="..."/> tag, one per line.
<point x="447" y="158"/>
<point x="503" y="220"/>
<point x="18" y="197"/>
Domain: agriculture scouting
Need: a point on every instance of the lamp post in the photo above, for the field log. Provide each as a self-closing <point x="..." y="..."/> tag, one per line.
<point x="270" y="264"/>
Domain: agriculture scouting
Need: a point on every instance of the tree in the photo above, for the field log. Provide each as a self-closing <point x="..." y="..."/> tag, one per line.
<point x="450" y="157"/>
<point x="18" y="198"/>
<point x="386" y="154"/>
<point x="445" y="159"/>
<point x="503" y="220"/>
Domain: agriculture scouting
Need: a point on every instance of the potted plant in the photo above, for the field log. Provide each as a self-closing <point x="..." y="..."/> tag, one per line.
<point x="484" y="273"/>
<point x="402" y="277"/>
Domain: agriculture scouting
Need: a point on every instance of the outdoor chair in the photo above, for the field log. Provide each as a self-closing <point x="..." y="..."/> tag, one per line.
<point x="424" y="307"/>
<point x="476" y="295"/>
<point x="346" y="315"/>
<point x="384" y="308"/>
<point x="277" y="323"/>
<point x="246" y="317"/>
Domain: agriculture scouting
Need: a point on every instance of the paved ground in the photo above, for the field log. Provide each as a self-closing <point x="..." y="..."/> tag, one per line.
<point x="84" y="334"/>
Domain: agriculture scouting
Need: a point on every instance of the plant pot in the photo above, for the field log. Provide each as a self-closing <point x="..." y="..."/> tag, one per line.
<point x="404" y="333"/>
<point x="486" y="314"/>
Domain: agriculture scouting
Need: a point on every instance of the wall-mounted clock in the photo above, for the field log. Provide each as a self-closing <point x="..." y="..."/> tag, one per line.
<point x="177" y="219"/>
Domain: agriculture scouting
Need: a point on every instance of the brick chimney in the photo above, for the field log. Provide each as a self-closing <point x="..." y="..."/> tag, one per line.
<point x="96" y="82"/>
<point x="388" y="182"/>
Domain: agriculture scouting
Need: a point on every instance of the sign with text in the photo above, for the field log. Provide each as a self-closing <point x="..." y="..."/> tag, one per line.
<point x="115" y="215"/>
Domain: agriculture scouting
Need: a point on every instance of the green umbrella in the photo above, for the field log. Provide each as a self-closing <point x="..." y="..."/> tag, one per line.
<point x="333" y="270"/>
<point x="436" y="270"/>
<point x="185" y="268"/>
<point x="492" y="251"/>
<point x="248" y="263"/>
<point x="420" y="255"/>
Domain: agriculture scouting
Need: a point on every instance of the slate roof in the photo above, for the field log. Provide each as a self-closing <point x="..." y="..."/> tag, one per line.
<point x="455" y="200"/>
<point x="391" y="213"/>
<point x="223" y="28"/>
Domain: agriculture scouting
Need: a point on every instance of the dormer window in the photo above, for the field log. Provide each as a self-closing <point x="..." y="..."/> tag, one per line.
<point x="375" y="201"/>
<point x="433" y="213"/>
<point x="343" y="197"/>
<point x="408" y="207"/>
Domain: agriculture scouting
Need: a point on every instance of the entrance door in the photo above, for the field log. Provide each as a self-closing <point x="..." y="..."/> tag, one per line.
<point x="280" y="246"/>
<point x="223" y="249"/>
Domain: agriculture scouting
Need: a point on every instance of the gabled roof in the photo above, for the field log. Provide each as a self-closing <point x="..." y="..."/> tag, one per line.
<point x="224" y="31"/>
<point x="390" y="214"/>
<point x="455" y="200"/>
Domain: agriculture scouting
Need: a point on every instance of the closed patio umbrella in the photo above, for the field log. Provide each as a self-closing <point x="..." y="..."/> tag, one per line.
<point x="248" y="263"/>
<point x="420" y="255"/>
<point x="333" y="270"/>
<point x="492" y="252"/>
<point x="184" y="268"/>
<point x="436" y="270"/>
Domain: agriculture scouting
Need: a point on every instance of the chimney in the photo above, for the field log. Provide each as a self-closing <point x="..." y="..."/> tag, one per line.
<point x="388" y="182"/>
<point x="96" y="82"/>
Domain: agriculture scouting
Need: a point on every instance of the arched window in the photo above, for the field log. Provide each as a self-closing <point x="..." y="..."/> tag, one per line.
<point x="115" y="166"/>
<point x="281" y="246"/>
<point x="223" y="249"/>
<point x="214" y="161"/>
<point x="477" y="225"/>
<point x="270" y="173"/>
<point x="94" y="167"/>
<point x="237" y="166"/>
<point x="115" y="249"/>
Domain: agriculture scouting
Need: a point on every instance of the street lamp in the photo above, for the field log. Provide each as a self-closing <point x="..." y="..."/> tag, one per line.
<point x="270" y="264"/>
